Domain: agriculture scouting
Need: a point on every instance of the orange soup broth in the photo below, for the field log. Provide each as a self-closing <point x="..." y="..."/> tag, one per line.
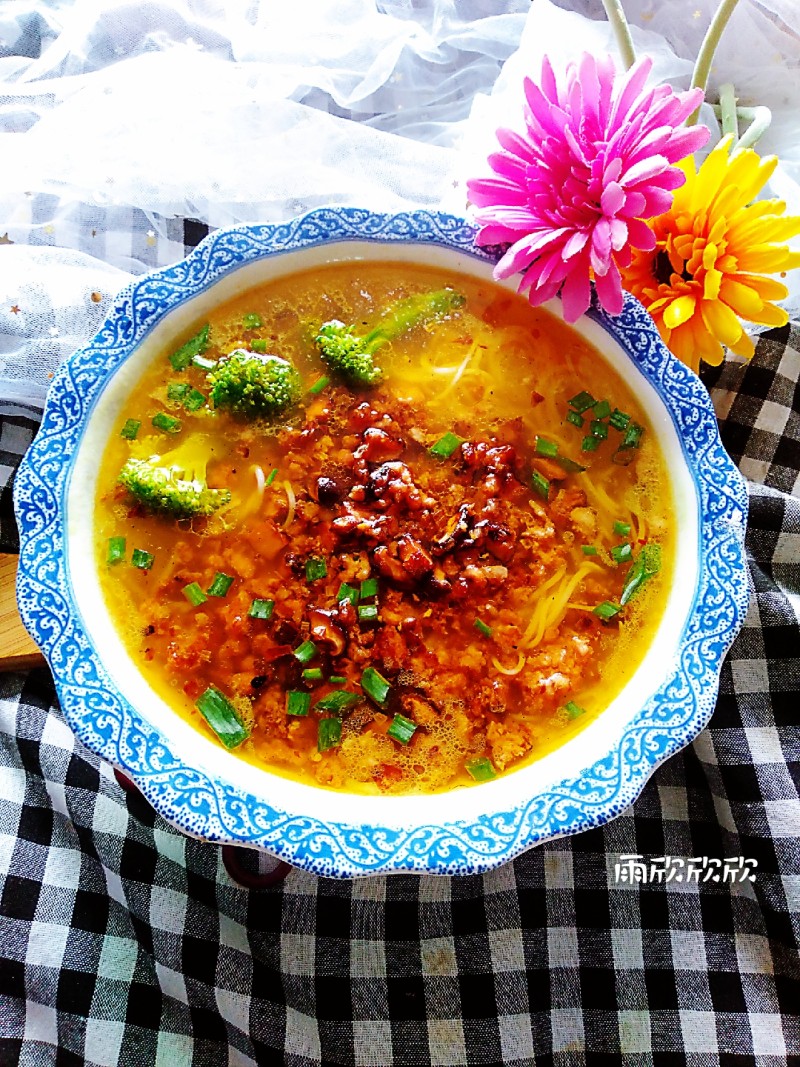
<point x="496" y="372"/>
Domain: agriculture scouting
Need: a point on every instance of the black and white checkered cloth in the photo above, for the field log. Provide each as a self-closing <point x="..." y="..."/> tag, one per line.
<point x="124" y="942"/>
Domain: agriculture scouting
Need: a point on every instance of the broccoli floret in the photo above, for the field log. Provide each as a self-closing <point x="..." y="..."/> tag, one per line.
<point x="254" y="385"/>
<point x="351" y="356"/>
<point x="175" y="484"/>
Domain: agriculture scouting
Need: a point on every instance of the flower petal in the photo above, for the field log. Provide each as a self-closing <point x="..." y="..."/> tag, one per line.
<point x="679" y="311"/>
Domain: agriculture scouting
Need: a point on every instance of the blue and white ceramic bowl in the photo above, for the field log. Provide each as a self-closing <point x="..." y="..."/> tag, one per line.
<point x="206" y="791"/>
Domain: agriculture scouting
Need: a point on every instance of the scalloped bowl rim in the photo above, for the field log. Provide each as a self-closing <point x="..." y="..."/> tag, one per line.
<point x="212" y="794"/>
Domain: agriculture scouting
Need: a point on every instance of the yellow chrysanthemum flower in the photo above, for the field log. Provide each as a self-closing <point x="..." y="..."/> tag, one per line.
<point x="712" y="249"/>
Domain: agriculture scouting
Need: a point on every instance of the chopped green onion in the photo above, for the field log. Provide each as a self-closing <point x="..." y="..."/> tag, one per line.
<point x="252" y="321"/>
<point x="319" y="385"/>
<point x="480" y="768"/>
<point x="261" y="609"/>
<point x="220" y="585"/>
<point x="329" y="734"/>
<point x="271" y="477"/>
<point x="573" y="710"/>
<point x="347" y="592"/>
<point x="632" y="436"/>
<point x="337" y="679"/>
<point x="582" y="402"/>
<point x="167" y="423"/>
<point x="589" y="550"/>
<point x="194" y="400"/>
<point x="575" y="418"/>
<point x="367" y="612"/>
<point x="116" y="550"/>
<point x="177" y="390"/>
<point x="315" y="569"/>
<point x="402" y="729"/>
<point x="204" y="363"/>
<point x="375" y="685"/>
<point x="622" y="528"/>
<point x="297" y="702"/>
<point x="602" y="409"/>
<point x="181" y="359"/>
<point x="599" y="429"/>
<point x="446" y="446"/>
<point x="622" y="553"/>
<point x="222" y="717"/>
<point x="606" y="610"/>
<point x="338" y="702"/>
<point x="305" y="652"/>
<point x="312" y="674"/>
<point x="647" y="563"/>
<point x="540" y="485"/>
<point x="369" y="588"/>
<point x="141" y="559"/>
<point x="130" y="429"/>
<point x="482" y="628"/>
<point x="568" y="464"/>
<point x="590" y="443"/>
<point x="258" y="344"/>
<point x="194" y="594"/>
<point x="546" y="448"/>
<point x="619" y="419"/>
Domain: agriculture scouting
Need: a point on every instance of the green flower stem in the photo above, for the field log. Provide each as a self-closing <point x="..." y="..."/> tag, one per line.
<point x="705" y="56"/>
<point x="727" y="107"/>
<point x="759" y="119"/>
<point x="622" y="31"/>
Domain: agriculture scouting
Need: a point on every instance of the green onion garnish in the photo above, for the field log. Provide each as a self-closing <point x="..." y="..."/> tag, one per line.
<point x="338" y="702"/>
<point x="347" y="592"/>
<point x="446" y="446"/>
<point x="568" y="464"/>
<point x="194" y="594"/>
<point x="312" y="674"/>
<point x="204" y="363"/>
<point x="602" y="409"/>
<point x="194" y="400"/>
<point x="540" y="485"/>
<point x="575" y="418"/>
<point x="545" y="447"/>
<point x="337" y="679"/>
<point x="271" y="477"/>
<point x="177" y="390"/>
<point x="622" y="528"/>
<point x="590" y="443"/>
<point x="252" y="321"/>
<point x="261" y="609"/>
<point x="619" y="419"/>
<point x="141" y="559"/>
<point x="573" y="710"/>
<point x="258" y="344"/>
<point x="222" y="717"/>
<point x="297" y="702"/>
<point x="315" y="569"/>
<point x="632" y="436"/>
<point x="367" y="612"/>
<point x="329" y="734"/>
<point x="482" y="628"/>
<point x="599" y="429"/>
<point x="606" y="610"/>
<point x="622" y="553"/>
<point x="305" y="652"/>
<point x="319" y="385"/>
<point x="181" y="359"/>
<point x="582" y="402"/>
<point x="130" y="429"/>
<point x="369" y="588"/>
<point x="116" y="550"/>
<point x="480" y="768"/>
<point x="375" y="685"/>
<point x="167" y="423"/>
<point x="589" y="550"/>
<point x="220" y="585"/>
<point x="647" y="563"/>
<point x="402" y="729"/>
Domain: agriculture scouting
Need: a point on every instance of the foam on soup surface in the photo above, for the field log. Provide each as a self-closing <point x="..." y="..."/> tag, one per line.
<point x="405" y="586"/>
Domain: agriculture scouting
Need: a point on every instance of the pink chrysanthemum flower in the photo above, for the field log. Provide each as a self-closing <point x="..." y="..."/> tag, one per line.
<point x="571" y="195"/>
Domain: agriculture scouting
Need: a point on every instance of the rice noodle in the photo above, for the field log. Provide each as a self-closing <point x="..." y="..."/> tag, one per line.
<point x="292" y="499"/>
<point x="521" y="661"/>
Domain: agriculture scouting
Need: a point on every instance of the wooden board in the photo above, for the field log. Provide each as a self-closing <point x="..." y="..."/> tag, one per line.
<point x="17" y="649"/>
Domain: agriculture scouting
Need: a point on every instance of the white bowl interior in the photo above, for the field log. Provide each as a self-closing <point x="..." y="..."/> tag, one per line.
<point x="464" y="805"/>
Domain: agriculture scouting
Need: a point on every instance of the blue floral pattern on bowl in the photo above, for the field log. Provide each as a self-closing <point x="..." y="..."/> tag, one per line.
<point x="209" y="807"/>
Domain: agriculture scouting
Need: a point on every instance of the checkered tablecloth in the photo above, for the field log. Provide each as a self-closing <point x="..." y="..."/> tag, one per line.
<point x="124" y="942"/>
